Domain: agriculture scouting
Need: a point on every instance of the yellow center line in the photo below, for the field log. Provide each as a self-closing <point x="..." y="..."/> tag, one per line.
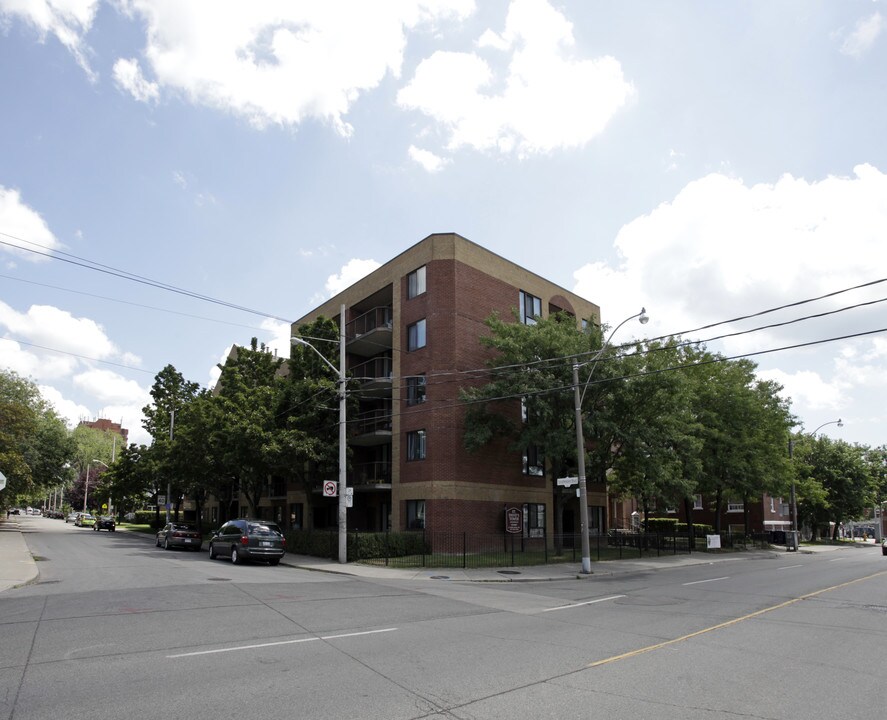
<point x="657" y="646"/>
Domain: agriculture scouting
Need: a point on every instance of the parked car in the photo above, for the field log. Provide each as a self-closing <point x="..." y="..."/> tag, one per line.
<point x="71" y="516"/>
<point x="244" y="539"/>
<point x="84" y="520"/>
<point x="106" y="522"/>
<point x="884" y="546"/>
<point x="182" y="535"/>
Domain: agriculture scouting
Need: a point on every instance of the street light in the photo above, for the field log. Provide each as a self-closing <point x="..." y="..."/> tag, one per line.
<point x="340" y="372"/>
<point x="643" y="318"/>
<point x="791" y="454"/>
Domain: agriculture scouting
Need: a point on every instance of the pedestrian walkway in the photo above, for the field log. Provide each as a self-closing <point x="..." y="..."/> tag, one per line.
<point x="18" y="567"/>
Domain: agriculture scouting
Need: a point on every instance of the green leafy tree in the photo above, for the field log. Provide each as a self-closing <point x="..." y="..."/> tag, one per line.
<point x="254" y="441"/>
<point x="34" y="444"/>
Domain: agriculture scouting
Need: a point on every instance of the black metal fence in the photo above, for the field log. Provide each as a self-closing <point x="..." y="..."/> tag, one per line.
<point x="429" y="549"/>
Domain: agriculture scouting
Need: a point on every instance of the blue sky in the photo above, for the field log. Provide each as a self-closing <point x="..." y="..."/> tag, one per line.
<point x="707" y="160"/>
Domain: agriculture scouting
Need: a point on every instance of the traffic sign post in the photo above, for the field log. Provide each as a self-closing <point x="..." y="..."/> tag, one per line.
<point x="330" y="488"/>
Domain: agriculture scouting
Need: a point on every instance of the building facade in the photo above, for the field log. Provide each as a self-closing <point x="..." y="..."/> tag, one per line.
<point x="413" y="330"/>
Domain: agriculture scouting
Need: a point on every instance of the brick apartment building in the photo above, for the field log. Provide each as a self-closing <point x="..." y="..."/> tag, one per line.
<point x="105" y="425"/>
<point x="412" y="337"/>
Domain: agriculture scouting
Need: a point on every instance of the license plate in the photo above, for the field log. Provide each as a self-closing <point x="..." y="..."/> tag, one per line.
<point x="187" y="540"/>
<point x="263" y="543"/>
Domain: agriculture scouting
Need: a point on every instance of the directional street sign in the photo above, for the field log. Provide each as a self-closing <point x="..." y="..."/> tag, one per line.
<point x="567" y="481"/>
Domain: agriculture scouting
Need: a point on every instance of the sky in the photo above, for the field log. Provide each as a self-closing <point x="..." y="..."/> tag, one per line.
<point x="179" y="176"/>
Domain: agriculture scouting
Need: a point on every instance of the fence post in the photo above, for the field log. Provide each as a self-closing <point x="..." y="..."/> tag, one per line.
<point x="424" y="539"/>
<point x="464" y="550"/>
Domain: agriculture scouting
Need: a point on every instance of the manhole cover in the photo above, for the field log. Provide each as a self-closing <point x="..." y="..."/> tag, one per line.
<point x="219" y="579"/>
<point x="508" y="572"/>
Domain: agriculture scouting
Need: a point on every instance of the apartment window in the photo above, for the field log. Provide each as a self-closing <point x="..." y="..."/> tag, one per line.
<point x="734" y="506"/>
<point x="415" y="514"/>
<point x="530" y="308"/>
<point x="416" y="282"/>
<point x="415" y="390"/>
<point x="534" y="461"/>
<point x="416" y="335"/>
<point x="534" y="520"/>
<point x="416" y="445"/>
<point x="772" y="505"/>
<point x="671" y="511"/>
<point x="697" y="502"/>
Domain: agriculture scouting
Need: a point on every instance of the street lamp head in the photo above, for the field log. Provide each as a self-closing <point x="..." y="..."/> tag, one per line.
<point x="840" y="422"/>
<point x="297" y="341"/>
<point x="643" y="318"/>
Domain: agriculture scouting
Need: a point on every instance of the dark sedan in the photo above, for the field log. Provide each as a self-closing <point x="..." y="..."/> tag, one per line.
<point x="244" y="539"/>
<point x="182" y="535"/>
<point x="106" y="522"/>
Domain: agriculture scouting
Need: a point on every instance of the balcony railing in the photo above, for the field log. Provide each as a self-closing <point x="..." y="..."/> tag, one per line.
<point x="373" y="421"/>
<point x="373" y="370"/>
<point x="379" y="317"/>
<point x="371" y="473"/>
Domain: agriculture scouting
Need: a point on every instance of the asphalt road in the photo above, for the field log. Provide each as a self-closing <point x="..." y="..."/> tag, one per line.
<point x="116" y="628"/>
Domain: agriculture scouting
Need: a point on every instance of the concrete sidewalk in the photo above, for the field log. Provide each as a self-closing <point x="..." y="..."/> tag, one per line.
<point x="18" y="567"/>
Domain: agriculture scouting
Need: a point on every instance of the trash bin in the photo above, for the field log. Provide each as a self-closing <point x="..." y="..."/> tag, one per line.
<point x="791" y="540"/>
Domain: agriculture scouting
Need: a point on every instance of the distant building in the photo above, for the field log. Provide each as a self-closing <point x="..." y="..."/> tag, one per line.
<point x="106" y="425"/>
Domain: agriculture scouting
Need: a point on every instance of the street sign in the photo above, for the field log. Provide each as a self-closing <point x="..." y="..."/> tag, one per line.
<point x="514" y="520"/>
<point x="330" y="488"/>
<point x="349" y="491"/>
<point x="2" y="481"/>
<point x="161" y="499"/>
<point x="567" y="481"/>
<point x="349" y="501"/>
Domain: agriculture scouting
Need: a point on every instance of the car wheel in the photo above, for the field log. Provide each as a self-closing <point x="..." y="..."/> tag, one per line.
<point x="166" y="543"/>
<point x="275" y="561"/>
<point x="157" y="541"/>
<point x="235" y="556"/>
<point x="212" y="552"/>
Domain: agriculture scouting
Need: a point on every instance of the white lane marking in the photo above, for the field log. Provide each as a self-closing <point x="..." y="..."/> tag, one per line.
<point x="837" y="560"/>
<point x="280" y="642"/>
<point x="590" y="602"/>
<point x="699" y="582"/>
<point x="789" y="567"/>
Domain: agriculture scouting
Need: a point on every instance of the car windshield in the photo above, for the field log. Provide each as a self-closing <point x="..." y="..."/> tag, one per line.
<point x="263" y="529"/>
<point x="187" y="528"/>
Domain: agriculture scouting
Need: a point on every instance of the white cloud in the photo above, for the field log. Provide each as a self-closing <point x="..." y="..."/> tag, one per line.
<point x="67" y="20"/>
<point x="71" y="411"/>
<point x="351" y="272"/>
<point x="215" y="371"/>
<point x="108" y="387"/>
<point x="128" y="76"/>
<point x="280" y="332"/>
<point x="549" y="99"/>
<point x="279" y="62"/>
<point x="23" y="228"/>
<point x="864" y="35"/>
<point x="722" y="249"/>
<point x="427" y="159"/>
<point x="58" y="329"/>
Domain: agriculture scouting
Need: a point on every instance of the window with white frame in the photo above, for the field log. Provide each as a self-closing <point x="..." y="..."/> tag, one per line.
<point x="416" y="445"/>
<point x="530" y="308"/>
<point x="416" y="282"/>
<point x="534" y="520"/>
<point x="416" y="335"/>
<point x="534" y="461"/>
<point x="735" y="506"/>
<point x="697" y="502"/>
<point x="415" y="390"/>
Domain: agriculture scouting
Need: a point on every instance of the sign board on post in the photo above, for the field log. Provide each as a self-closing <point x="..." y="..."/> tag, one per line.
<point x="2" y="481"/>
<point x="514" y="520"/>
<point x="713" y="542"/>
<point x="330" y="489"/>
<point x="568" y="481"/>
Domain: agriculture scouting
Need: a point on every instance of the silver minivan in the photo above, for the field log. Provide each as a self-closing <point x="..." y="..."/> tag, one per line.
<point x="245" y="539"/>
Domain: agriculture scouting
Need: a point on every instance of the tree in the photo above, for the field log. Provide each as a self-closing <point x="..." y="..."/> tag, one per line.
<point x="744" y="428"/>
<point x="528" y="402"/>
<point x="34" y="444"/>
<point x="254" y="442"/>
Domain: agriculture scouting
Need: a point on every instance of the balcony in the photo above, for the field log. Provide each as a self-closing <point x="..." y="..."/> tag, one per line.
<point x="373" y="474"/>
<point x="370" y="333"/>
<point x="371" y="428"/>
<point x="374" y="377"/>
